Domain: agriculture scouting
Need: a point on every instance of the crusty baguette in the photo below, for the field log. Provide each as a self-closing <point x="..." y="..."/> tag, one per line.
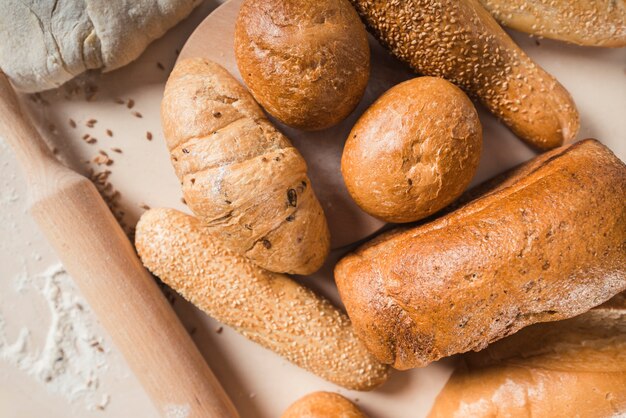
<point x="323" y="405"/>
<point x="460" y="41"/>
<point x="268" y="308"/>
<point x="307" y="62"/>
<point x="546" y="244"/>
<point x="240" y="175"/>
<point x="571" y="368"/>
<point x="582" y="22"/>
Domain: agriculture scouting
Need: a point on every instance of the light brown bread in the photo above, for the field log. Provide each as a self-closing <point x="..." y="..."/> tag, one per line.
<point x="582" y="22"/>
<point x="268" y="308"/>
<point x="461" y="42"/>
<point x="571" y="368"/>
<point x="323" y="405"/>
<point x="413" y="151"/>
<point x="240" y="175"/>
<point x="306" y="62"/>
<point x="547" y="244"/>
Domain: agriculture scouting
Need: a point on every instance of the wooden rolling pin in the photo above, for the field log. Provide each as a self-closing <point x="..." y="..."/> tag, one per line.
<point x="98" y="255"/>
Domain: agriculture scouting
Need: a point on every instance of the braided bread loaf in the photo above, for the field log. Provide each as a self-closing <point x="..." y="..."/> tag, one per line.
<point x="240" y="175"/>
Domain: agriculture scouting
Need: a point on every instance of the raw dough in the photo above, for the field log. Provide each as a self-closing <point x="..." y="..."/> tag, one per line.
<point x="46" y="43"/>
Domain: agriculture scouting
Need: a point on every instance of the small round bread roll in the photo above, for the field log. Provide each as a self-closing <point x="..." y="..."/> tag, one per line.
<point x="413" y="151"/>
<point x="323" y="405"/>
<point x="306" y="62"/>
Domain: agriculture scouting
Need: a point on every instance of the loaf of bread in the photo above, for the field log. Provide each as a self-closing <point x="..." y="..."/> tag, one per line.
<point x="546" y="244"/>
<point x="582" y="22"/>
<point x="461" y="42"/>
<point x="46" y="43"/>
<point x="268" y="308"/>
<point x="571" y="368"/>
<point x="240" y="175"/>
<point x="413" y="151"/>
<point x="306" y="62"/>
<point x="323" y="405"/>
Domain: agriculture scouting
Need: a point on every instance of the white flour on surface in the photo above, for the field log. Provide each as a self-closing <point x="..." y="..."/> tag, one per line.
<point x="176" y="411"/>
<point x="73" y="357"/>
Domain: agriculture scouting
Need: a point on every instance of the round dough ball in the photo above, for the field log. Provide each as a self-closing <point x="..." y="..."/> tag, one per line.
<point x="306" y="62"/>
<point x="323" y="405"/>
<point x="413" y="151"/>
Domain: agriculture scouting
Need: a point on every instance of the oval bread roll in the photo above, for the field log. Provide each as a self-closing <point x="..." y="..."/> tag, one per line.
<point x="460" y="41"/>
<point x="582" y="22"/>
<point x="547" y="244"/>
<point x="323" y="405"/>
<point x="268" y="308"/>
<point x="306" y="62"/>
<point x="571" y="368"/>
<point x="413" y="151"/>
<point x="240" y="175"/>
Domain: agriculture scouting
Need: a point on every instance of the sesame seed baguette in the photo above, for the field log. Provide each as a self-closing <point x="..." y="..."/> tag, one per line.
<point x="268" y="308"/>
<point x="239" y="174"/>
<point x="582" y="22"/>
<point x="461" y="42"/>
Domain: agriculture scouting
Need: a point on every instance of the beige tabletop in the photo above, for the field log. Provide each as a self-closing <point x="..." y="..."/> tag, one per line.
<point x="57" y="362"/>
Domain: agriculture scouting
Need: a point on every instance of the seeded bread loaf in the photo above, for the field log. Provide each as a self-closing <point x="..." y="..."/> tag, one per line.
<point x="240" y="175"/>
<point x="547" y="244"/>
<point x="307" y="62"/>
<point x="413" y="151"/>
<point x="323" y="405"/>
<point x="460" y="41"/>
<point x="268" y="308"/>
<point x="582" y="22"/>
<point x="571" y="368"/>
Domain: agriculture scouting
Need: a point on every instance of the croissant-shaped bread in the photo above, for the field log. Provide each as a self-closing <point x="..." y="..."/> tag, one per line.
<point x="240" y="175"/>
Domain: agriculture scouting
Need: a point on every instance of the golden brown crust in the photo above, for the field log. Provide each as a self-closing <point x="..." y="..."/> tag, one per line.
<point x="323" y="405"/>
<point x="461" y="42"/>
<point x="413" y="151"/>
<point x="306" y="62"/>
<point x="582" y="22"/>
<point x="240" y="175"/>
<point x="575" y="367"/>
<point x="547" y="244"/>
<point x="268" y="308"/>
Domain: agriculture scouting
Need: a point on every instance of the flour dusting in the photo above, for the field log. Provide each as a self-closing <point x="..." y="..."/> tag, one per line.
<point x="176" y="411"/>
<point x="73" y="357"/>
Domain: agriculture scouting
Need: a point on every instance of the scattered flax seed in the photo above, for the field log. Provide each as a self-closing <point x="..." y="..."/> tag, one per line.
<point x="72" y="123"/>
<point x="130" y="103"/>
<point x="91" y="140"/>
<point x="219" y="330"/>
<point x="182" y="199"/>
<point x="91" y="123"/>
<point x="144" y="206"/>
<point x="109" y="132"/>
<point x="102" y="158"/>
<point x="119" y="101"/>
<point x="86" y="136"/>
<point x="160" y="66"/>
<point x="55" y="151"/>
<point x="137" y="114"/>
<point x="118" y="150"/>
<point x="149" y="136"/>
<point x="52" y="128"/>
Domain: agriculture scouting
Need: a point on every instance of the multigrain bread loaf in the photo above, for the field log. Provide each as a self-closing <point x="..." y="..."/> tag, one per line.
<point x="305" y="61"/>
<point x="268" y="308"/>
<point x="571" y="368"/>
<point x="240" y="175"/>
<point x="323" y="405"/>
<point x="461" y="42"/>
<point x="583" y="22"/>
<point x="413" y="151"/>
<point x="547" y="244"/>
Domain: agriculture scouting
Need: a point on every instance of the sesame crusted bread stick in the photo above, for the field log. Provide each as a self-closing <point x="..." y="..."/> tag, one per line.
<point x="582" y="22"/>
<point x="460" y="41"/>
<point x="268" y="308"/>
